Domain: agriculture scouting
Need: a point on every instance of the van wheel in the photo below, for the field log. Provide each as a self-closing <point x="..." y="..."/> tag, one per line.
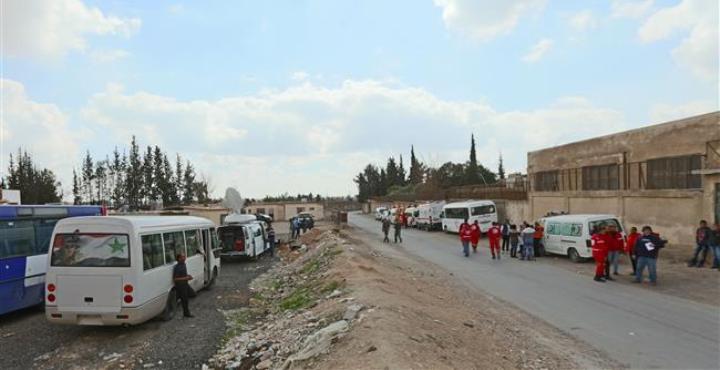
<point x="170" y="307"/>
<point x="573" y="255"/>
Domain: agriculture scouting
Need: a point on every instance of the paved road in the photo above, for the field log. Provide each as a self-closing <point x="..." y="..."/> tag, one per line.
<point x="637" y="327"/>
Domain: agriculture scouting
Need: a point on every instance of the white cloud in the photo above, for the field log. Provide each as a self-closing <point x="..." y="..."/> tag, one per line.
<point x="538" y="50"/>
<point x="669" y="112"/>
<point x="698" y="52"/>
<point x="52" y="28"/>
<point x="631" y="8"/>
<point x="300" y="76"/>
<point x="583" y="20"/>
<point x="485" y="20"/>
<point x="107" y="56"/>
<point x="41" y="129"/>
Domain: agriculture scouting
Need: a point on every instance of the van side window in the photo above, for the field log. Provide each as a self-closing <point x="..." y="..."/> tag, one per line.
<point x="193" y="242"/>
<point x="553" y="229"/>
<point x="174" y="244"/>
<point x="258" y="232"/>
<point x="152" y="251"/>
<point x="576" y="230"/>
<point x="215" y="243"/>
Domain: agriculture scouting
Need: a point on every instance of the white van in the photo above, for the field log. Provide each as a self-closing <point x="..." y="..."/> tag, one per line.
<point x="411" y="214"/>
<point x="429" y="216"/>
<point x="380" y="213"/>
<point x="117" y="270"/>
<point x="484" y="211"/>
<point x="242" y="236"/>
<point x="569" y="235"/>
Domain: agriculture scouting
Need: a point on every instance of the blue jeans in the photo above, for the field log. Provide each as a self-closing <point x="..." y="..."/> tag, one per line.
<point x="613" y="260"/>
<point x="700" y="248"/>
<point x="651" y="264"/>
<point x="529" y="251"/>
<point x="716" y="256"/>
<point x="466" y="247"/>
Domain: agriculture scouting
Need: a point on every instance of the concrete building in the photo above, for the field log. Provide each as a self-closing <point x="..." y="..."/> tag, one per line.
<point x="666" y="176"/>
<point x="287" y="210"/>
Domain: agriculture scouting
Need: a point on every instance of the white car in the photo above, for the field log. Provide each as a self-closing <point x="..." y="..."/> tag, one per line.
<point x="570" y="235"/>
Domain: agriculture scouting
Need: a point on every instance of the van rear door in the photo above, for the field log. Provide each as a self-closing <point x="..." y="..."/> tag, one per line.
<point x="91" y="293"/>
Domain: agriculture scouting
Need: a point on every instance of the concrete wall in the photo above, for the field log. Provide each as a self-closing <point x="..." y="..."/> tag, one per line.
<point x="214" y="215"/>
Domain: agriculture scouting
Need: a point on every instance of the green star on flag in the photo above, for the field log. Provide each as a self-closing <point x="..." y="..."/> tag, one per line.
<point x="117" y="247"/>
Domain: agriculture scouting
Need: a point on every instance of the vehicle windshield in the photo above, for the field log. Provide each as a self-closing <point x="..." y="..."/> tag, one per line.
<point x="91" y="250"/>
<point x="597" y="225"/>
<point x="461" y="213"/>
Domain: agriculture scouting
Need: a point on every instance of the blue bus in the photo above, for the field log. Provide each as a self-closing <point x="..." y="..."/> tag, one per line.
<point x="25" y="233"/>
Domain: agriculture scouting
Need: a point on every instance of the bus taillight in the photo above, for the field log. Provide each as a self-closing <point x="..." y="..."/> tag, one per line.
<point x="128" y="288"/>
<point x="128" y="299"/>
<point x="51" y="287"/>
<point x="51" y="298"/>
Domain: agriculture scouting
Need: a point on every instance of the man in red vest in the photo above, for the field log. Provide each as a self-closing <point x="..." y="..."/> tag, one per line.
<point x="599" y="252"/>
<point x="494" y="235"/>
<point x="475" y="236"/>
<point x="465" y="237"/>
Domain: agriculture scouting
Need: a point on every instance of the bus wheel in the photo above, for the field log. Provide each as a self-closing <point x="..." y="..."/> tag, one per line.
<point x="170" y="307"/>
<point x="573" y="255"/>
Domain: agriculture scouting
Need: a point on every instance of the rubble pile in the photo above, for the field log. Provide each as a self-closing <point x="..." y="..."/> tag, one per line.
<point x="296" y="313"/>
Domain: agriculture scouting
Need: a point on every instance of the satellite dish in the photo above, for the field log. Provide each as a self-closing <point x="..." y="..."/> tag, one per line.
<point x="233" y="200"/>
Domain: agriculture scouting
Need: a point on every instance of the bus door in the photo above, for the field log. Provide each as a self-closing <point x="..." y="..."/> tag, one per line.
<point x="207" y="251"/>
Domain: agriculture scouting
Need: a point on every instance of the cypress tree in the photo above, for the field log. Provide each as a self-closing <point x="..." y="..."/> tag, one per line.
<point x="471" y="173"/>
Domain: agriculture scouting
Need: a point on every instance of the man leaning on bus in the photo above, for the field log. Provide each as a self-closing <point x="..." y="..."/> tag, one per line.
<point x="181" y="278"/>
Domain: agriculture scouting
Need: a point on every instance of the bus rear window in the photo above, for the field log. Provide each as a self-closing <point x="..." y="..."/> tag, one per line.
<point x="91" y="250"/>
<point x="483" y="210"/>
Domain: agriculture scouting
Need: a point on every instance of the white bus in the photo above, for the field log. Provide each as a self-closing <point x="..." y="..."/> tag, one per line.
<point x="118" y="270"/>
<point x="429" y="216"/>
<point x="484" y="211"/>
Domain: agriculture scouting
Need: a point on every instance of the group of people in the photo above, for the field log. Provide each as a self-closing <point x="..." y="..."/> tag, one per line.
<point x="524" y="242"/>
<point x="397" y="224"/>
<point x="706" y="239"/>
<point x="300" y="225"/>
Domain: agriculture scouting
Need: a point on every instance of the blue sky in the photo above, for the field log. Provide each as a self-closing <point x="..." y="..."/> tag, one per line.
<point x="310" y="91"/>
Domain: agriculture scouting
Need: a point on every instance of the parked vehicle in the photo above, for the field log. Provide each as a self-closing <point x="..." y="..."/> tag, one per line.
<point x="118" y="270"/>
<point x="569" y="235"/>
<point x="428" y="216"/>
<point x="243" y="236"/>
<point x="25" y="233"/>
<point x="380" y="213"/>
<point x="484" y="211"/>
<point x="307" y="218"/>
<point x="411" y="214"/>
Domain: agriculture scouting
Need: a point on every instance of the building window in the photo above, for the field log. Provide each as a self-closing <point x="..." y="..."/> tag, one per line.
<point x="546" y="181"/>
<point x="674" y="173"/>
<point x="260" y="211"/>
<point x="605" y="177"/>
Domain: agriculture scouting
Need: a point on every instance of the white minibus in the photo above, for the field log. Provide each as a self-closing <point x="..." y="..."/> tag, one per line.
<point x="242" y="236"/>
<point x="411" y="214"/>
<point x="569" y="235"/>
<point x="429" y="216"/>
<point x="118" y="270"/>
<point x="484" y="211"/>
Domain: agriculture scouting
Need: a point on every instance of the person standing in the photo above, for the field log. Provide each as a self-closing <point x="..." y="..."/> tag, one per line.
<point x="528" y="235"/>
<point x="386" y="229"/>
<point x="398" y="229"/>
<point x="475" y="235"/>
<point x="599" y="252"/>
<point x="514" y="240"/>
<point x="465" y="237"/>
<point x="505" y="229"/>
<point x="630" y="248"/>
<point x="715" y="246"/>
<point x="537" y="239"/>
<point x="646" y="250"/>
<point x="182" y="287"/>
<point x="494" y="236"/>
<point x="702" y="237"/>
<point x="271" y="239"/>
<point x="615" y="246"/>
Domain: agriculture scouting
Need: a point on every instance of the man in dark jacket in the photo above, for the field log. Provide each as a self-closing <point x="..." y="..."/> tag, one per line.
<point x="702" y="240"/>
<point x="505" y="230"/>
<point x="646" y="250"/>
<point x="182" y="286"/>
<point x="271" y="240"/>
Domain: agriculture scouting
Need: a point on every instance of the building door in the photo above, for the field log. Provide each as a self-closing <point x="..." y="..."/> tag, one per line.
<point x="717" y="203"/>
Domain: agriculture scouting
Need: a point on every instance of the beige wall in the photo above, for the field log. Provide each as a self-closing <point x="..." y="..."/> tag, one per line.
<point x="516" y="211"/>
<point x="214" y="215"/>
<point x="315" y="209"/>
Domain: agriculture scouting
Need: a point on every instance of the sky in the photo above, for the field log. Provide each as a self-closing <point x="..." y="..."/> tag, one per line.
<point x="299" y="95"/>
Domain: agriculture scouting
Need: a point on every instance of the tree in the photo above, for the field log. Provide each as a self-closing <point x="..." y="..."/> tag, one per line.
<point x="169" y="189"/>
<point x="150" y="192"/>
<point x="188" y="184"/>
<point x="391" y="173"/>
<point x="134" y="177"/>
<point x="179" y="178"/>
<point x="101" y="181"/>
<point x="472" y="175"/>
<point x="402" y="175"/>
<point x="416" y="168"/>
<point x="88" y="175"/>
<point x="37" y="186"/>
<point x="501" y="168"/>
<point x="77" y="195"/>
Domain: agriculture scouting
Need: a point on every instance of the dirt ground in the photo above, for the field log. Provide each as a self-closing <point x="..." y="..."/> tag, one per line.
<point x="414" y="316"/>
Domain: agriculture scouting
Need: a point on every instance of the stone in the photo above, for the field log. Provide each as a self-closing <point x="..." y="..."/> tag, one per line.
<point x="318" y="342"/>
<point x="352" y="311"/>
<point x="371" y="349"/>
<point x="264" y="365"/>
<point x="469" y="324"/>
<point x="233" y="365"/>
<point x="335" y="293"/>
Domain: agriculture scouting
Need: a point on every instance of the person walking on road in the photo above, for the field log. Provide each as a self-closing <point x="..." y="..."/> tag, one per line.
<point x="528" y="243"/>
<point x="494" y="235"/>
<point x="514" y="241"/>
<point x="630" y="248"/>
<point x="465" y="237"/>
<point x="646" y="250"/>
<point x="386" y="229"/>
<point x="537" y="239"/>
<point x="702" y="237"/>
<point x="475" y="235"/>
<point x="615" y="246"/>
<point x="505" y="229"/>
<point x="182" y="287"/>
<point x="599" y="242"/>
<point x="271" y="239"/>
<point x="398" y="229"/>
